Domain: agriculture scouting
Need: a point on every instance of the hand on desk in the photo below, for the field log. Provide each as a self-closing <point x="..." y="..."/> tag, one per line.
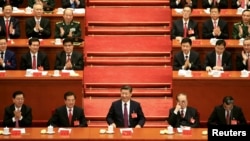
<point x="138" y="126"/>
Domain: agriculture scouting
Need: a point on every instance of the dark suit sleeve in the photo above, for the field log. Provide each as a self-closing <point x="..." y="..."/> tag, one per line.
<point x="228" y="64"/>
<point x="239" y="63"/>
<point x="58" y="64"/>
<point x="194" y="3"/>
<point x="172" y="118"/>
<point x="177" y="65"/>
<point x="53" y="121"/>
<point x="196" y="30"/>
<point x="10" y="64"/>
<point x="196" y="65"/>
<point x="223" y="4"/>
<point x="206" y="31"/>
<point x="31" y="3"/>
<point x="16" y="26"/>
<point x="27" y="117"/>
<point x="111" y="113"/>
<point x="207" y="62"/>
<point x="205" y="4"/>
<point x="7" y="119"/>
<point x="45" y="62"/>
<point x="66" y="3"/>
<point x="174" y="30"/>
<point x="224" y="31"/>
<point x="24" y="62"/>
<point x="174" y="5"/>
<point x="140" y="115"/>
<point x="78" y="63"/>
<point x="77" y="32"/>
<point x="57" y="31"/>
<point x="29" y="28"/>
<point x="240" y="115"/>
<point x="212" y="120"/>
<point x="83" y="121"/>
<point x="46" y="32"/>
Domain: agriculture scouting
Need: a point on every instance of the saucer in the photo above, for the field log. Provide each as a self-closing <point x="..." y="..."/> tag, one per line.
<point x="28" y="75"/>
<point x="109" y="132"/>
<point x="243" y="75"/>
<point x="50" y="132"/>
<point x="170" y="133"/>
<point x="56" y="75"/>
<point x="6" y="133"/>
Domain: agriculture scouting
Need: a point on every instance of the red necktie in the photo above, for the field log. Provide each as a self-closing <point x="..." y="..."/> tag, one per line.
<point x="68" y="57"/>
<point x="215" y="25"/>
<point x="7" y="28"/>
<point x="185" y="30"/>
<point x="125" y="115"/>
<point x="228" y="116"/>
<point x="243" y="4"/>
<point x="215" y="2"/>
<point x="70" y="115"/>
<point x="219" y="60"/>
<point x="34" y="62"/>
<point x="182" y="113"/>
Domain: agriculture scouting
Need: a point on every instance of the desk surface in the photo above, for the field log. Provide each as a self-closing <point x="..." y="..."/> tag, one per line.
<point x="205" y="91"/>
<point x="93" y="134"/>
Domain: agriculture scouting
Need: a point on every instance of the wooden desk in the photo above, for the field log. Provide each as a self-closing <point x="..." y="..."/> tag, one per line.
<point x="205" y="92"/>
<point x="20" y="46"/>
<point x="200" y="16"/>
<point x="54" y="18"/>
<point x="43" y="94"/>
<point x="203" y="46"/>
<point x="150" y="134"/>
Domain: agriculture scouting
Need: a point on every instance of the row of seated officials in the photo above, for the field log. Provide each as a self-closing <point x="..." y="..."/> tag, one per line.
<point x="124" y="112"/>
<point x="245" y="4"/>
<point x="39" y="26"/>
<point x="48" y="4"/>
<point x="214" y="27"/>
<point x="218" y="59"/>
<point x="68" y="58"/>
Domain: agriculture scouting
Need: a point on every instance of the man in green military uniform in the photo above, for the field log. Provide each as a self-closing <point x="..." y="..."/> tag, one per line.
<point x="242" y="29"/>
<point x="68" y="27"/>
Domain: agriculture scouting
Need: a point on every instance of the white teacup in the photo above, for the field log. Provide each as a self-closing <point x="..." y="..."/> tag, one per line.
<point x="188" y="73"/>
<point x="29" y="72"/>
<point x="6" y="130"/>
<point x="110" y="128"/>
<point x="50" y="129"/>
<point x="244" y="73"/>
<point x="216" y="73"/>
<point x="56" y="72"/>
<point x="170" y="129"/>
<point x="241" y="41"/>
<point x="28" y="10"/>
<point x="60" y="10"/>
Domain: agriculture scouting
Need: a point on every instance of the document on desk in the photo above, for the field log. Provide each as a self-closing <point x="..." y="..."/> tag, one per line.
<point x="22" y="130"/>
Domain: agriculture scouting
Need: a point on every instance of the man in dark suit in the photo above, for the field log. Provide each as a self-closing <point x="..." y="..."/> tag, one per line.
<point x="243" y="58"/>
<point x="73" y="3"/>
<point x="185" y="27"/>
<point x="186" y="58"/>
<point x="9" y="26"/>
<point x="7" y="57"/>
<point x="245" y="4"/>
<point x="182" y="114"/>
<point x="68" y="58"/>
<point x="126" y="112"/>
<point x="219" y="59"/>
<point x="181" y="3"/>
<point x="17" y="114"/>
<point x="209" y="3"/>
<point x="48" y="5"/>
<point x="215" y="27"/>
<point x="14" y="3"/>
<point x="68" y="115"/>
<point x="38" y="26"/>
<point x="34" y="59"/>
<point x="227" y="113"/>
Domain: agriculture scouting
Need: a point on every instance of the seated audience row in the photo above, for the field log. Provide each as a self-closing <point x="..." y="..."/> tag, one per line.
<point x="245" y="4"/>
<point x="47" y="4"/>
<point x="35" y="59"/>
<point x="120" y="114"/>
<point x="38" y="26"/>
<point x="218" y="59"/>
<point x="215" y="27"/>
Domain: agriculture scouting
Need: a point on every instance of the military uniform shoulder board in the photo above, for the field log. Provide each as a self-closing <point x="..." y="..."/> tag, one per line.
<point x="59" y="22"/>
<point x="238" y="23"/>
<point x="77" y="22"/>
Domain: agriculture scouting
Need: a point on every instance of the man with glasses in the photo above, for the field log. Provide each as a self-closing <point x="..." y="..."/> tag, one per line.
<point x="182" y="114"/>
<point x="125" y="112"/>
<point x="243" y="58"/>
<point x="17" y="114"/>
<point x="68" y="115"/>
<point x="7" y="57"/>
<point x="68" y="59"/>
<point x="219" y="59"/>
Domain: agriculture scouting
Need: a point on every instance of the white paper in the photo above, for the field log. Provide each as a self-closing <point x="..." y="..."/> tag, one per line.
<point x="126" y="129"/>
<point x="63" y="129"/>
<point x="22" y="130"/>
